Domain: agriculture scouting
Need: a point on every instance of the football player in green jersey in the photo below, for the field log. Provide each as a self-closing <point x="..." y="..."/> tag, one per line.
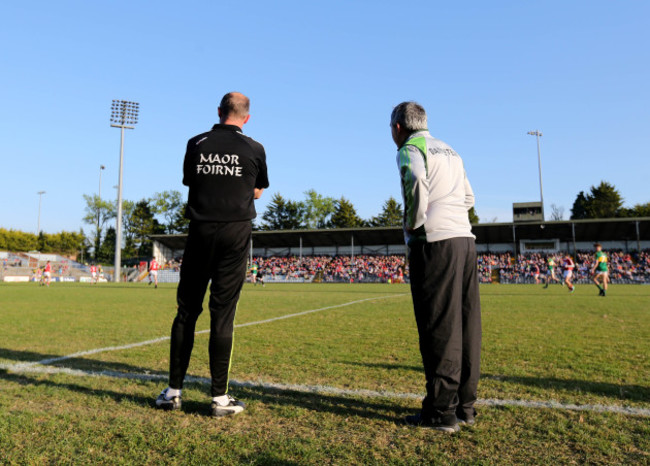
<point x="600" y="270"/>
<point x="254" y="273"/>
<point x="550" y="272"/>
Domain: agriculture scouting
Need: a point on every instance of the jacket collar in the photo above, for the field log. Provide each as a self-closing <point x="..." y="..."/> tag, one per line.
<point x="226" y="127"/>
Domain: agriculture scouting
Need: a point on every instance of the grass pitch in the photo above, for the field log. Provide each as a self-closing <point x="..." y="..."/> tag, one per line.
<point x="538" y="345"/>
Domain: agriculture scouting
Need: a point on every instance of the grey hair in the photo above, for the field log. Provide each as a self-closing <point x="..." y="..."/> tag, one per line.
<point x="410" y="116"/>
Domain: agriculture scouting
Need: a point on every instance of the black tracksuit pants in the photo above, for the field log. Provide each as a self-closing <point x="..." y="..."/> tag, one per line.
<point x="214" y="252"/>
<point x="444" y="286"/>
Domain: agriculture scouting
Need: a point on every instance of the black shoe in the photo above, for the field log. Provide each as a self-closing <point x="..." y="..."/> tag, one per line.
<point x="168" y="404"/>
<point x="446" y="423"/>
<point x="233" y="407"/>
<point x="601" y="293"/>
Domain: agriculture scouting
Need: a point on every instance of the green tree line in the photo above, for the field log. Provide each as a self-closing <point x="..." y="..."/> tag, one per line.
<point x="605" y="201"/>
<point x="163" y="213"/>
<point x="65" y="242"/>
<point x="318" y="211"/>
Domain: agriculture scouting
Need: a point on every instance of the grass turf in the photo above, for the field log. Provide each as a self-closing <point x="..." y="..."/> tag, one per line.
<point x="539" y="345"/>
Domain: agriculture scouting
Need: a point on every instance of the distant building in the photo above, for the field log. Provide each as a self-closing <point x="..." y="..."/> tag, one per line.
<point x="527" y="212"/>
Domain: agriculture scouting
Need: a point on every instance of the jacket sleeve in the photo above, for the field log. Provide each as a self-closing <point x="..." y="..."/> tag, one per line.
<point x="188" y="167"/>
<point x="469" y="194"/>
<point x="262" y="180"/>
<point x="415" y="189"/>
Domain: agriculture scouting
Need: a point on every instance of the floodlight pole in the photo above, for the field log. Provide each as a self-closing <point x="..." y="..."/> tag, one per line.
<point x="99" y="195"/>
<point x="40" y="198"/>
<point x="538" y="134"/>
<point x="122" y="112"/>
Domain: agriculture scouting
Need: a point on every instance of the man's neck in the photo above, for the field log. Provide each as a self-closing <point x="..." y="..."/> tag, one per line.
<point x="232" y="122"/>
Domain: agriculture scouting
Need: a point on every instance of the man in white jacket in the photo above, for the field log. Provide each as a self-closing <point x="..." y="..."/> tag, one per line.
<point x="443" y="269"/>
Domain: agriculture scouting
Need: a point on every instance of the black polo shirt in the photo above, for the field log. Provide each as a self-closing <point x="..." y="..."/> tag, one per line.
<point x="222" y="168"/>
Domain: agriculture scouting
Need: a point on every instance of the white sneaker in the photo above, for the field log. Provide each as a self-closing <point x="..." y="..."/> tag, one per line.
<point x="232" y="407"/>
<point x="173" y="403"/>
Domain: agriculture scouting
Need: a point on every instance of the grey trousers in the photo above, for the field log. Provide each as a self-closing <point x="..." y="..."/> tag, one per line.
<point x="444" y="286"/>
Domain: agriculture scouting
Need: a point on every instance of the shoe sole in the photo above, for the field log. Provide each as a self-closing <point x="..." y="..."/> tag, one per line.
<point x="446" y="429"/>
<point x="168" y="407"/>
<point x="226" y="412"/>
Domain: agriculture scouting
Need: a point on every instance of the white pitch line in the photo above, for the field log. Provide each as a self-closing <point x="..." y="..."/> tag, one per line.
<point x="328" y="390"/>
<point x="161" y="339"/>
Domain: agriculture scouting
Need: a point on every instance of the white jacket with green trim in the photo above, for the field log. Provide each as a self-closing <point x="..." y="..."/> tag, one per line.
<point x="435" y="189"/>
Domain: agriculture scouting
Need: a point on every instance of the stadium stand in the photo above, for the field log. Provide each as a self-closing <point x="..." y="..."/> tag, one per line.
<point x="377" y="254"/>
<point x="508" y="253"/>
<point x="22" y="266"/>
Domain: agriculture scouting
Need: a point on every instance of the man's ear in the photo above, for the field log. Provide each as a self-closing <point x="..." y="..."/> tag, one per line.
<point x="248" y="117"/>
<point x="219" y="111"/>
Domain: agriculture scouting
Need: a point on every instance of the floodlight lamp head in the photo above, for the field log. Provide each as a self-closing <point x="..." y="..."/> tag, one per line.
<point x="124" y="112"/>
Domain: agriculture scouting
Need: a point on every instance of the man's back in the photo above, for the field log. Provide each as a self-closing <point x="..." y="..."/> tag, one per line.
<point x="222" y="168"/>
<point x="442" y="194"/>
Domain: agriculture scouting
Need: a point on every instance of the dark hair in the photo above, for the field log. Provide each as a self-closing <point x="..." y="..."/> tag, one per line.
<point x="235" y="105"/>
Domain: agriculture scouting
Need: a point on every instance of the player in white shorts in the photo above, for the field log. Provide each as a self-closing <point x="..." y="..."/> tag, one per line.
<point x="153" y="272"/>
<point x="47" y="274"/>
<point x="569" y="265"/>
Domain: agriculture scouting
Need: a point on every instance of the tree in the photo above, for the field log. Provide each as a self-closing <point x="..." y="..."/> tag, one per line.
<point x="473" y="216"/>
<point x="128" y="230"/>
<point x="604" y="201"/>
<point x="641" y="210"/>
<point x="106" y="252"/>
<point x="390" y="216"/>
<point x="68" y="242"/>
<point x="65" y="242"/>
<point x="97" y="213"/>
<point x="557" y="212"/>
<point x="141" y="224"/>
<point x="317" y="209"/>
<point x="281" y="214"/>
<point x="43" y="245"/>
<point x="579" y="209"/>
<point x="180" y="224"/>
<point x="170" y="206"/>
<point x="345" y="215"/>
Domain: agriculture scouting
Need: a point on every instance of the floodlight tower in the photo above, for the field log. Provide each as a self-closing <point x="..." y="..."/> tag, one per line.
<point x="538" y="134"/>
<point x="40" y="198"/>
<point x="99" y="194"/>
<point x="123" y="113"/>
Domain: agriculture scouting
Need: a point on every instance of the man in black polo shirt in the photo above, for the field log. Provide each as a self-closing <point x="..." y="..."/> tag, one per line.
<point x="225" y="171"/>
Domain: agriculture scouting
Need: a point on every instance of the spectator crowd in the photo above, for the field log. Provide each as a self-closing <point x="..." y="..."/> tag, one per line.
<point x="493" y="267"/>
<point x="504" y="268"/>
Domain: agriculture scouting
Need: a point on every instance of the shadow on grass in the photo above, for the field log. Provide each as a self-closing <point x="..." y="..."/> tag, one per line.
<point x="338" y="405"/>
<point x="617" y="391"/>
<point x="252" y="288"/>
<point x="385" y="365"/>
<point x="81" y="363"/>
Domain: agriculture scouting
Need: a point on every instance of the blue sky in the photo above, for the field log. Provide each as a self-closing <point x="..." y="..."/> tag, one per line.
<point x="323" y="78"/>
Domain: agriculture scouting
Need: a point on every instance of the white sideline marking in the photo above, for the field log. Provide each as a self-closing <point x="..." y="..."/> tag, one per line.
<point x="161" y="339"/>
<point x="327" y="390"/>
